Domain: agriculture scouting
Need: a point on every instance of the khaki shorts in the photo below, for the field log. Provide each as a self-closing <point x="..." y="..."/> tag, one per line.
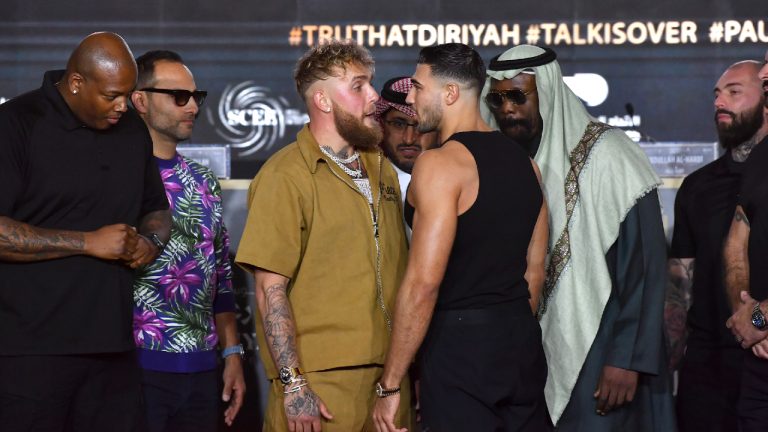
<point x="348" y="393"/>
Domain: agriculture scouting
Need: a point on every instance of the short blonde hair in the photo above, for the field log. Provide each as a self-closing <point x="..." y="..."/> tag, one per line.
<point x="329" y="59"/>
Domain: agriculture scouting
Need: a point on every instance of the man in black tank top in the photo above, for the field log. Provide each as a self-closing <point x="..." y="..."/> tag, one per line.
<point x="476" y="265"/>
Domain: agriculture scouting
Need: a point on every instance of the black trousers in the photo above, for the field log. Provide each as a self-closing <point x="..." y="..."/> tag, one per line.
<point x="753" y="399"/>
<point x="181" y="402"/>
<point x="708" y="389"/>
<point x="80" y="393"/>
<point x="484" y="370"/>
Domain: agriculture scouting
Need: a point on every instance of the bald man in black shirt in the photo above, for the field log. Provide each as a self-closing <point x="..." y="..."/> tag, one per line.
<point x="82" y="205"/>
<point x="711" y="368"/>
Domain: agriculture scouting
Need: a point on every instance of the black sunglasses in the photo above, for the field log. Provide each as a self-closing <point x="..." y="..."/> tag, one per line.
<point x="495" y="99"/>
<point x="181" y="97"/>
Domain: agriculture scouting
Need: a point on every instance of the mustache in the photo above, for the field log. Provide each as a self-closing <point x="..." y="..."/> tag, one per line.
<point x="508" y="122"/>
<point x="724" y="111"/>
<point x="408" y="146"/>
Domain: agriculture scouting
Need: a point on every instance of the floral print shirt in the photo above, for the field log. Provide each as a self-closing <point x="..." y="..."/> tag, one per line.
<point x="177" y="296"/>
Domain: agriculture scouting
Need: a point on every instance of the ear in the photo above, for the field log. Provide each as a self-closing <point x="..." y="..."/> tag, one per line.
<point x="452" y="93"/>
<point x="75" y="83"/>
<point x="139" y="100"/>
<point x="321" y="101"/>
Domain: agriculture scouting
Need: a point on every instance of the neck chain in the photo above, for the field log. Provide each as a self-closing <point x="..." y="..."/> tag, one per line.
<point x="342" y="163"/>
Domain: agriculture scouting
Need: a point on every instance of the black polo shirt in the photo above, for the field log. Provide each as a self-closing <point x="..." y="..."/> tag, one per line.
<point x="57" y="173"/>
<point x="753" y="198"/>
<point x="704" y="209"/>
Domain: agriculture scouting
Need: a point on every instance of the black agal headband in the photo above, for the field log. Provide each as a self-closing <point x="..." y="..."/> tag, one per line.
<point x="547" y="56"/>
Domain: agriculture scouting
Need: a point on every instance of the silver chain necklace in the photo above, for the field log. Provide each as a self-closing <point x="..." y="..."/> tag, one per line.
<point x="342" y="163"/>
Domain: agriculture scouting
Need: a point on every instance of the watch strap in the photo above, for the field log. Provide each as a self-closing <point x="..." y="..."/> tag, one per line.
<point x="234" y="349"/>
<point x="155" y="239"/>
<point x="385" y="392"/>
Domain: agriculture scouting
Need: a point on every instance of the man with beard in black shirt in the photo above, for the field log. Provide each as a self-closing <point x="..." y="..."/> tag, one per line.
<point x="711" y="367"/>
<point x="747" y="283"/>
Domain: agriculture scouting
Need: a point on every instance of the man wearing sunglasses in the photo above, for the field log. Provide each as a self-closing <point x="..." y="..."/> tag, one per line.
<point x="602" y="308"/>
<point x="184" y="304"/>
<point x="402" y="142"/>
<point x="81" y="197"/>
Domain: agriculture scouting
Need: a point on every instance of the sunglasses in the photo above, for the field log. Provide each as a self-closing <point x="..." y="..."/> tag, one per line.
<point x="181" y="97"/>
<point x="495" y="99"/>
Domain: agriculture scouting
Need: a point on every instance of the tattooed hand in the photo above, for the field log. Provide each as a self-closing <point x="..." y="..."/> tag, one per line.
<point x="305" y="410"/>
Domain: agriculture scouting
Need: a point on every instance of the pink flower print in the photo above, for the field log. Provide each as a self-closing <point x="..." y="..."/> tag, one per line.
<point x="213" y="338"/>
<point x="147" y="325"/>
<point x="205" y="195"/>
<point x="207" y="244"/>
<point x="177" y="281"/>
<point x="170" y="187"/>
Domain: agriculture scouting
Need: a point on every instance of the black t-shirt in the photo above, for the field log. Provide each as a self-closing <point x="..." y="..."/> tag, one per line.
<point x="704" y="209"/>
<point x="753" y="198"/>
<point x="57" y="173"/>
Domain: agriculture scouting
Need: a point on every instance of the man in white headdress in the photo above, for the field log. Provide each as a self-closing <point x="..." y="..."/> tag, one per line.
<point x="602" y="308"/>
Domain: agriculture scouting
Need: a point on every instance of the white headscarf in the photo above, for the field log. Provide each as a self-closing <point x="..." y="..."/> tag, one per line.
<point x="612" y="174"/>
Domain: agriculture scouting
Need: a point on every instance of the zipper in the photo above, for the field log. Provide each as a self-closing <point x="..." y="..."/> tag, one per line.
<point x="375" y="228"/>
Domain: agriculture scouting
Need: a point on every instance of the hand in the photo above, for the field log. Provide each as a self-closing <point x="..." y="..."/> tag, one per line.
<point x="384" y="410"/>
<point x="233" y="383"/>
<point x="112" y="242"/>
<point x="145" y="252"/>
<point x="305" y="411"/>
<point x="760" y="349"/>
<point x="616" y="387"/>
<point x="740" y="323"/>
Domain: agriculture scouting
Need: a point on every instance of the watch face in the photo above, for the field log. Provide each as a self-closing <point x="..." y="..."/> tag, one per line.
<point x="285" y="375"/>
<point x="379" y="390"/>
<point x="758" y="320"/>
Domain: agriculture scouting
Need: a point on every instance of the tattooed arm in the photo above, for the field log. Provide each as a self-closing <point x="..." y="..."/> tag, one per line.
<point x="303" y="408"/>
<point x="736" y="259"/>
<point x="737" y="282"/>
<point x="676" y="304"/>
<point x="156" y="222"/>
<point x="22" y="242"/>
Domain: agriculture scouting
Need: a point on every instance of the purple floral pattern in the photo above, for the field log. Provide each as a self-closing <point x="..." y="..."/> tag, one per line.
<point x="175" y="297"/>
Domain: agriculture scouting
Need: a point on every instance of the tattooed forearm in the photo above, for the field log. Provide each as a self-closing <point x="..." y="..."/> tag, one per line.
<point x="279" y="327"/>
<point x="676" y="305"/>
<point x="736" y="259"/>
<point x="158" y="222"/>
<point x="21" y="242"/>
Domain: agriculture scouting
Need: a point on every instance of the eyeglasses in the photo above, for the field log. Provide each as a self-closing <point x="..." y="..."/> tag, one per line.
<point x="181" y="97"/>
<point x="401" y="126"/>
<point x="495" y="99"/>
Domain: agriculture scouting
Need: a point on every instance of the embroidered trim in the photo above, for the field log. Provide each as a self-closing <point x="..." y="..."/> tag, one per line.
<point x="560" y="255"/>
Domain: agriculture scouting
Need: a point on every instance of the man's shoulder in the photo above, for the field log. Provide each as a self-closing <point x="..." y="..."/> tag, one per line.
<point x="286" y="157"/>
<point x="702" y="174"/>
<point x="199" y="168"/>
<point x="23" y="110"/>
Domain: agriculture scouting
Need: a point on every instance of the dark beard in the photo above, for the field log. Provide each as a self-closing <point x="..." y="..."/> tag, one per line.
<point x="743" y="127"/>
<point x="355" y="132"/>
